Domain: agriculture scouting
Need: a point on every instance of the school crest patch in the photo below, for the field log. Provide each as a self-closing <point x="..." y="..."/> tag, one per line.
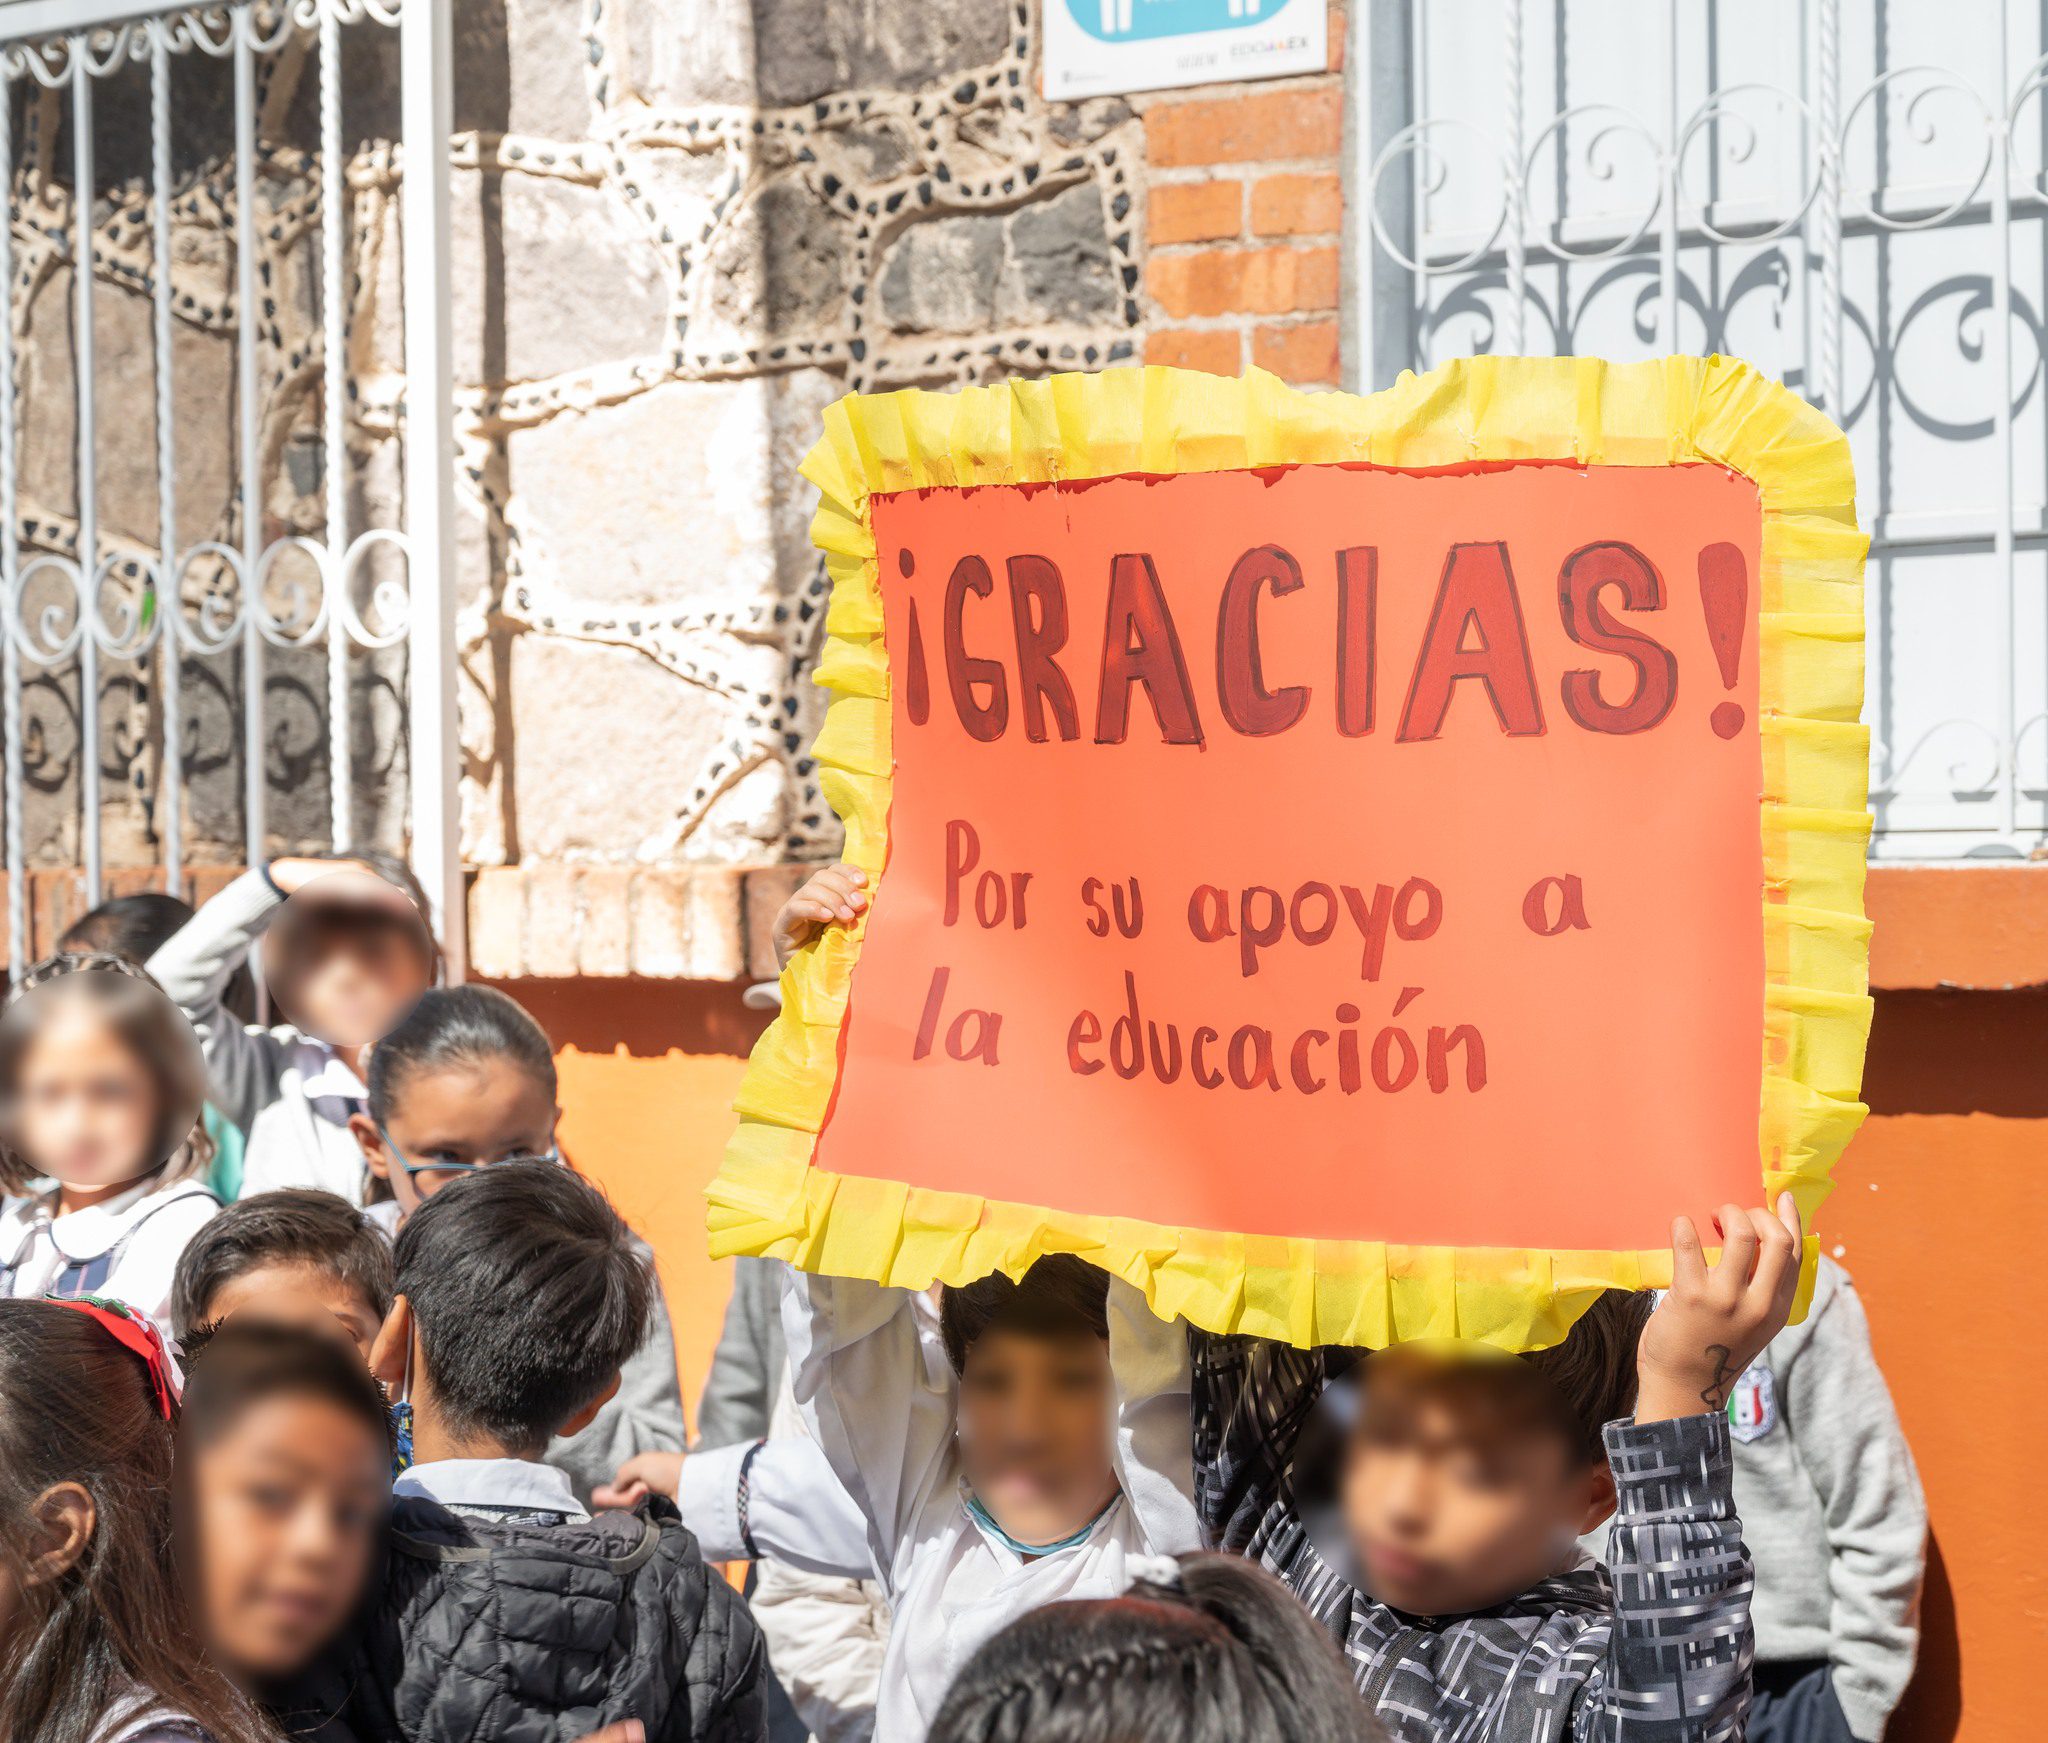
<point x="1753" y="1405"/>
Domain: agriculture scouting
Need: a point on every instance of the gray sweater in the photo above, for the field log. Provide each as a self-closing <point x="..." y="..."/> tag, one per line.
<point x="750" y="1367"/>
<point x="1831" y="1506"/>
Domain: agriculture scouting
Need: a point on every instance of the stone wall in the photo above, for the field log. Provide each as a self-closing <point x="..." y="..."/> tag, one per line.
<point x="681" y="228"/>
<point x="726" y="218"/>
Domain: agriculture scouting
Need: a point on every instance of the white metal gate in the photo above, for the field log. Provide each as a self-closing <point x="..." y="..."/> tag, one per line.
<point x="1852" y="197"/>
<point x="196" y="156"/>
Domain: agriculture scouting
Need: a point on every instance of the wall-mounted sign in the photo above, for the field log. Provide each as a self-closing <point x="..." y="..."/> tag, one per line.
<point x="1096" y="47"/>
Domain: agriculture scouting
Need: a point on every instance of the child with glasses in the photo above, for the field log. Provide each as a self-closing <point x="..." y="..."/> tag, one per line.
<point x="466" y="1082"/>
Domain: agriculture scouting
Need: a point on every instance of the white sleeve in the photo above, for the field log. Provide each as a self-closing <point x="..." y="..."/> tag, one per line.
<point x="797" y="1511"/>
<point x="881" y="1412"/>
<point x="1155" y="1461"/>
<point x="193" y="966"/>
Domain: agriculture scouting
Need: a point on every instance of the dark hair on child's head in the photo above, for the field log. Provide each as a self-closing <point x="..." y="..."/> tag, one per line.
<point x="1219" y="1652"/>
<point x="294" y="1226"/>
<point x="78" y="1407"/>
<point x="527" y="1293"/>
<point x="131" y="926"/>
<point x="454" y="1026"/>
<point x="246" y="1363"/>
<point x="1059" y="1296"/>
<point x="1593" y="1371"/>
<point x="137" y="927"/>
<point x="149" y="1025"/>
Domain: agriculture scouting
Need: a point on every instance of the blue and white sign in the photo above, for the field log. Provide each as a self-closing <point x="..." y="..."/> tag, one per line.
<point x="1096" y="47"/>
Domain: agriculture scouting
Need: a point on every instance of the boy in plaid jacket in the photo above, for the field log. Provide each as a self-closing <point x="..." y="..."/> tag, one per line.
<point x="1454" y="1583"/>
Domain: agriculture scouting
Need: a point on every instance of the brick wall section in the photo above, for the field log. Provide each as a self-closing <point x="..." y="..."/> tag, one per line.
<point x="56" y="896"/>
<point x="1244" y="205"/>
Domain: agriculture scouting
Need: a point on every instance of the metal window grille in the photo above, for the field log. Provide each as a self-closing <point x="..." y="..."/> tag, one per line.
<point x="225" y="570"/>
<point x="1851" y="197"/>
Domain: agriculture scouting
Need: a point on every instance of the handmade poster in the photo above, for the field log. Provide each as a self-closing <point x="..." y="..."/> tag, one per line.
<point x="1354" y="867"/>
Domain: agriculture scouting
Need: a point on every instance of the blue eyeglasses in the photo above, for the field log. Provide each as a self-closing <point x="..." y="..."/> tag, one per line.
<point x="443" y="1172"/>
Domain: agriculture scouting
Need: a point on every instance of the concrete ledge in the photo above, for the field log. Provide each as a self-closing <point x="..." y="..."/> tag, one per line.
<point x="548" y="921"/>
<point x="601" y="922"/>
<point x="1969" y="925"/>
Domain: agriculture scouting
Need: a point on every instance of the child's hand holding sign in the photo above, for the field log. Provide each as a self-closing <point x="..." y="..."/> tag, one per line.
<point x="1712" y="1324"/>
<point x="838" y="892"/>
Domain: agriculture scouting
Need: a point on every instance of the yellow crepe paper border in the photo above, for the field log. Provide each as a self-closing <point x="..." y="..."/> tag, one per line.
<point x="1814" y="822"/>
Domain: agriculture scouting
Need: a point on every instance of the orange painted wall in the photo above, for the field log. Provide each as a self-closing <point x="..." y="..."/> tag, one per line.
<point x="648" y="1071"/>
<point x="1941" y="1213"/>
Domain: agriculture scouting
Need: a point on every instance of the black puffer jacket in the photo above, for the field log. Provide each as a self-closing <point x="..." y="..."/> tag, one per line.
<point x="511" y="1633"/>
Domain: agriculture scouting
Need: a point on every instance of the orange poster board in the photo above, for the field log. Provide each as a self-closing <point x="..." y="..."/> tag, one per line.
<point x="1356" y="868"/>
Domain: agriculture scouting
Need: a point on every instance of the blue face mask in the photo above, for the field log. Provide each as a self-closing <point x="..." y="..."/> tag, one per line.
<point x="986" y="1521"/>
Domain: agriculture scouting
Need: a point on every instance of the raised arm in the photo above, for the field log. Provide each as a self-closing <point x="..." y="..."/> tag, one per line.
<point x="1677" y="1665"/>
<point x="1251" y="1400"/>
<point x="882" y="1413"/>
<point x="193" y="967"/>
<point x="1148" y="1358"/>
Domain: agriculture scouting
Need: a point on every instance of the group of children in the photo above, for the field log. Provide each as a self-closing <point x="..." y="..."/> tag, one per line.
<point x="335" y="1403"/>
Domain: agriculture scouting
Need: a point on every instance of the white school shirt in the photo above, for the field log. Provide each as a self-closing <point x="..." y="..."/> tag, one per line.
<point x="288" y="1092"/>
<point x="823" y="1616"/>
<point x="880" y="1401"/>
<point x="126" y="1246"/>
<point x="798" y="1512"/>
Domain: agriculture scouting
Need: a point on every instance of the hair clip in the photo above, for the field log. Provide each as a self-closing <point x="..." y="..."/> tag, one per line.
<point x="1154" y="1570"/>
<point x="138" y="1336"/>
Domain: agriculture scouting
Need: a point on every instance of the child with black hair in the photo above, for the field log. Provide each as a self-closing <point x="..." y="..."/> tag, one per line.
<point x="506" y="1610"/>
<point x="135" y="928"/>
<point x="101" y="1083"/>
<point x="98" y="1643"/>
<point x="291" y="1087"/>
<point x="1200" y="1649"/>
<point x="311" y="1248"/>
<point x="283" y="1480"/>
<point x="1027" y="1454"/>
<point x="131" y="926"/>
<point x="465" y="1082"/>
<point x="1456" y="1587"/>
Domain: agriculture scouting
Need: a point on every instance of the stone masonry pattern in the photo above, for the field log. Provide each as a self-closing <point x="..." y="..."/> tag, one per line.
<point x="680" y="229"/>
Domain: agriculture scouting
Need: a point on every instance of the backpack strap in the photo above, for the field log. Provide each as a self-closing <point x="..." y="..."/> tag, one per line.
<point x="89" y="1276"/>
